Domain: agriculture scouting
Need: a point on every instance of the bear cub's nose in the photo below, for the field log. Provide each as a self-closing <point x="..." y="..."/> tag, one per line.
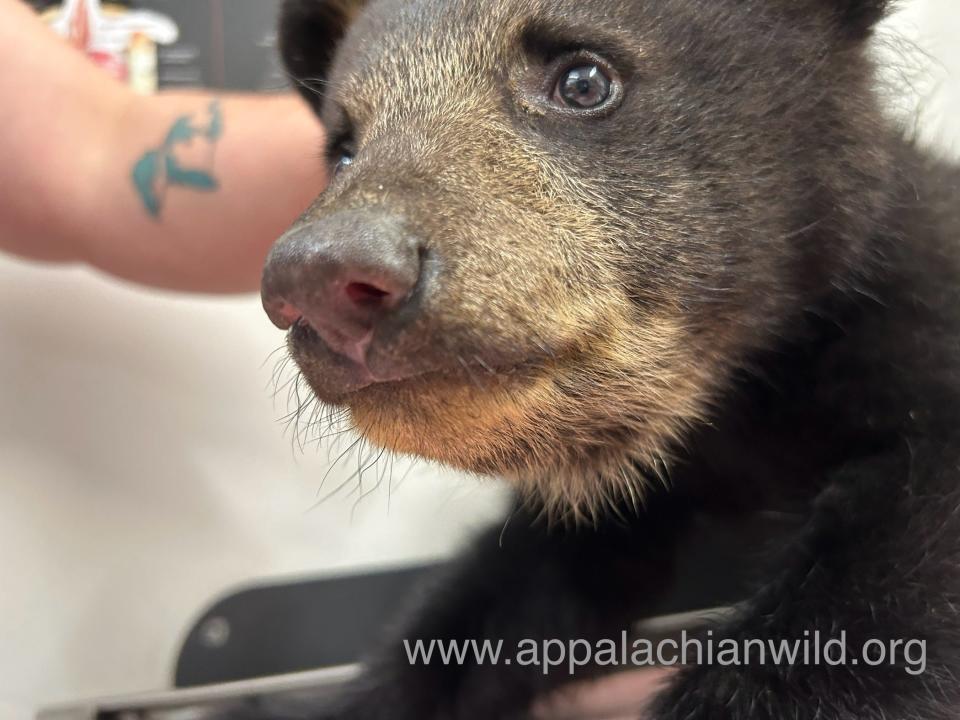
<point x="344" y="276"/>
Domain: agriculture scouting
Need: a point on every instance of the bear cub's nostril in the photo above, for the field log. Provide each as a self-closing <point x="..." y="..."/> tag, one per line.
<point x="289" y="314"/>
<point x="363" y="293"/>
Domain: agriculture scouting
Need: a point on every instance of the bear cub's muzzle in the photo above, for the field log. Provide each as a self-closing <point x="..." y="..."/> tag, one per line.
<point x="346" y="284"/>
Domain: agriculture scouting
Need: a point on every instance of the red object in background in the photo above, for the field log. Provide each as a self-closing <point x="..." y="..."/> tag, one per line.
<point x="80" y="36"/>
<point x="112" y="64"/>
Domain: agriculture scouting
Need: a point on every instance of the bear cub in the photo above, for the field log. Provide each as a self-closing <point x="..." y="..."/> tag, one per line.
<point x="650" y="261"/>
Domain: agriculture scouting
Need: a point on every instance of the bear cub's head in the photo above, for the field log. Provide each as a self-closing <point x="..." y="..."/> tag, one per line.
<point x="554" y="228"/>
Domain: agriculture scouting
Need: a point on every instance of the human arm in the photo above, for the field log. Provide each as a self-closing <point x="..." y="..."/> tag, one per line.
<point x="70" y="138"/>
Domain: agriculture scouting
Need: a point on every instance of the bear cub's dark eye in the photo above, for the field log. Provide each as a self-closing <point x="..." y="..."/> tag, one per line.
<point x="583" y="87"/>
<point x="342" y="158"/>
<point x="341" y="155"/>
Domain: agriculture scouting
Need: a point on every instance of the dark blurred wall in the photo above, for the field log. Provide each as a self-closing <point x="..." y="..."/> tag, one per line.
<point x="225" y="44"/>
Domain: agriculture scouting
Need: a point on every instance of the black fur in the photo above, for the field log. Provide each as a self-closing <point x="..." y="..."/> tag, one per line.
<point x="851" y="417"/>
<point x="309" y="34"/>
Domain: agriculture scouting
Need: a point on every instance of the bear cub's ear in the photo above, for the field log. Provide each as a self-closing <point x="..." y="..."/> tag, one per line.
<point x="310" y="31"/>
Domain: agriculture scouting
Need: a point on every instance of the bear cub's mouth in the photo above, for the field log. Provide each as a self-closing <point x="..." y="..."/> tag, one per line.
<point x="337" y="376"/>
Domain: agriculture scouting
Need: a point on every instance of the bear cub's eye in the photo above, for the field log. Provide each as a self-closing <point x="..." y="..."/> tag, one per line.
<point x="342" y="158"/>
<point x="582" y="83"/>
<point x="341" y="154"/>
<point x="583" y="87"/>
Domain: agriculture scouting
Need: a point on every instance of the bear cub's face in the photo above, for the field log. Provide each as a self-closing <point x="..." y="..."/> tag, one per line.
<point x="554" y="227"/>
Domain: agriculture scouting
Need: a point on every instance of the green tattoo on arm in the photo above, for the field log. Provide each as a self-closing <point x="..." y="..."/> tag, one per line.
<point x="158" y="169"/>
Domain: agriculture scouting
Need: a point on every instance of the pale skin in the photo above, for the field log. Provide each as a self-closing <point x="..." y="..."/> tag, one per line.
<point x="70" y="138"/>
<point x="621" y="696"/>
